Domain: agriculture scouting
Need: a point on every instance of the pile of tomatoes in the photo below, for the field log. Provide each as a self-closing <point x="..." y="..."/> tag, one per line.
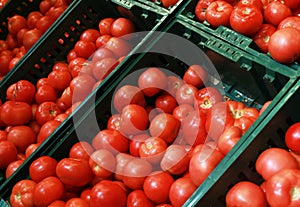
<point x="23" y="32"/>
<point x="31" y="112"/>
<point x="167" y="134"/>
<point x="280" y="169"/>
<point x="273" y="25"/>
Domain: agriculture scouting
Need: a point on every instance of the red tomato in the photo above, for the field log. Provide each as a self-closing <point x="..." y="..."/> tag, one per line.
<point x="136" y="142"/>
<point x="218" y="13"/>
<point x="47" y="190"/>
<point x="65" y="100"/>
<point x="31" y="37"/>
<point x="121" y="161"/>
<point x="84" y="49"/>
<point x="86" y="194"/>
<point x="118" y="46"/>
<point x="81" y="150"/>
<point x="73" y="202"/>
<point x="3" y="135"/>
<point x="22" y="113"/>
<point x="12" y="167"/>
<point x="102" y="53"/>
<point x="44" y="23"/>
<point x="206" y="98"/>
<point x="262" y="37"/>
<point x="282" y="188"/>
<point x="292" y="4"/>
<point x="15" y="23"/>
<point x="107" y="193"/>
<point x="257" y="3"/>
<point x="186" y="94"/>
<point x="165" y="126"/>
<point x="174" y="83"/>
<point x="153" y="149"/>
<point x="105" y="26"/>
<point x="284" y="45"/>
<point x="114" y="122"/>
<point x="90" y="35"/>
<point x="22" y="90"/>
<point x="122" y="26"/>
<point x="292" y="138"/>
<point x="104" y="67"/>
<point x="102" y="162"/>
<point x="46" y="130"/>
<point x="291" y="21"/>
<point x="81" y="86"/>
<point x="59" y="79"/>
<point x="73" y="171"/>
<point x="166" y="103"/>
<point x="168" y="3"/>
<point x="246" y="19"/>
<point x="275" y="12"/>
<point x="229" y="138"/>
<point x="57" y="203"/>
<point x="152" y="80"/>
<point x="42" y="167"/>
<point x="45" y="93"/>
<point x="181" y="190"/>
<point x="46" y="111"/>
<point x="102" y="40"/>
<point x="246" y="194"/>
<point x="4" y="63"/>
<point x="200" y="9"/>
<point x="137" y="198"/>
<point x="22" y="193"/>
<point x="195" y="75"/>
<point x="181" y="111"/>
<point x="157" y="186"/>
<point x="30" y="149"/>
<point x="22" y="136"/>
<point x="272" y="160"/>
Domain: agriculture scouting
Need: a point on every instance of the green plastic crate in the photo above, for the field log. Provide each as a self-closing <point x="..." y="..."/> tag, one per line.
<point x="245" y="78"/>
<point x="48" y="47"/>
<point x="187" y="13"/>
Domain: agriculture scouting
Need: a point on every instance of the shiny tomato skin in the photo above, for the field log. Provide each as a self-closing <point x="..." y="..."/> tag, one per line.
<point x="45" y="93"/>
<point x="292" y="4"/>
<point x="275" y="12"/>
<point x="245" y="193"/>
<point x="186" y="94"/>
<point x="292" y="138"/>
<point x="137" y="198"/>
<point x="73" y="202"/>
<point x="206" y="98"/>
<point x="84" y="49"/>
<point x="46" y="130"/>
<point x="104" y="67"/>
<point x="195" y="75"/>
<point x="12" y="167"/>
<point x="218" y="13"/>
<point x="152" y="149"/>
<point x="136" y="142"/>
<point x="46" y="111"/>
<point x="122" y="26"/>
<point x="181" y="111"/>
<point x="8" y="153"/>
<point x="42" y="167"/>
<point x="166" y="103"/>
<point x="262" y="37"/>
<point x="200" y="9"/>
<point x="81" y="86"/>
<point x="272" y="160"/>
<point x="59" y="79"/>
<point x="90" y="35"/>
<point x="22" y="90"/>
<point x="31" y="37"/>
<point x="57" y="203"/>
<point x="257" y="3"/>
<point x="73" y="171"/>
<point x="30" y="149"/>
<point x="22" y="113"/>
<point x="119" y="46"/>
<point x="15" y="23"/>
<point x="114" y="122"/>
<point x="81" y="150"/>
<point x="22" y="136"/>
<point x="22" y="193"/>
<point x="291" y="21"/>
<point x="229" y="138"/>
<point x="105" y="26"/>
<point x="174" y="83"/>
<point x="107" y="193"/>
<point x="102" y="162"/>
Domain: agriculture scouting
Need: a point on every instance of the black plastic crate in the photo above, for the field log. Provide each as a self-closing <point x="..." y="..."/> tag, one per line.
<point x="49" y="49"/>
<point x="244" y="78"/>
<point x="187" y="13"/>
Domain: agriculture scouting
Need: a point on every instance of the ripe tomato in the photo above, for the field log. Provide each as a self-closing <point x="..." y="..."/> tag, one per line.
<point x="90" y="35"/>
<point x="153" y="149"/>
<point x="292" y="138"/>
<point x="136" y="142"/>
<point x="107" y="193"/>
<point x="84" y="49"/>
<point x="102" y="162"/>
<point x="152" y="80"/>
<point x="218" y="13"/>
<point x="166" y="103"/>
<point x="284" y="45"/>
<point x="81" y="150"/>
<point x="165" y="126"/>
<point x="22" y="136"/>
<point x="46" y="111"/>
<point x="12" y="167"/>
<point x="76" y="202"/>
<point x="59" y="79"/>
<point x="245" y="193"/>
<point x="57" y="203"/>
<point x="104" y="26"/>
<point x="168" y="3"/>
<point x="22" y="193"/>
<point x="73" y="171"/>
<point x="229" y="138"/>
<point x="114" y="122"/>
<point x="257" y="3"/>
<point x="22" y="113"/>
<point x="104" y="67"/>
<point x="186" y="94"/>
<point x="102" y="53"/>
<point x="181" y="111"/>
<point x="200" y="9"/>
<point x="45" y="93"/>
<point x="48" y="190"/>
<point x="4" y="63"/>
<point x="195" y="75"/>
<point x="291" y="21"/>
<point x="181" y="190"/>
<point x="31" y="37"/>
<point x="15" y="23"/>
<point x="272" y="160"/>
<point x="30" y="149"/>
<point x="275" y="12"/>
<point x="174" y="83"/>
<point x="46" y="130"/>
<point x="81" y="86"/>
<point x="292" y="4"/>
<point x="138" y="198"/>
<point x="246" y="19"/>
<point x="22" y="90"/>
<point x="122" y="26"/>
<point x="262" y="37"/>
<point x="102" y="40"/>
<point x="206" y="98"/>
<point x="44" y="23"/>
<point x="42" y="167"/>
<point x="118" y="46"/>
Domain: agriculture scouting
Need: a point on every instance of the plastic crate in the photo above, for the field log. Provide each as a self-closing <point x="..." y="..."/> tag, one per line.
<point x="157" y="4"/>
<point x="241" y="164"/>
<point x="187" y="13"/>
<point x="243" y="77"/>
<point x="49" y="50"/>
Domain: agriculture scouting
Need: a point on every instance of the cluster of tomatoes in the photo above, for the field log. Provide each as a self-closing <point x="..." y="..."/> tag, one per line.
<point x="165" y="138"/>
<point x="31" y="112"/>
<point x="273" y="25"/>
<point x="24" y="32"/>
<point x="280" y="169"/>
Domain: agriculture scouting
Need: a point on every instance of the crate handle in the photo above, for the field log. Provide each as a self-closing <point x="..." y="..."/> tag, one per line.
<point x="233" y="37"/>
<point x="124" y="3"/>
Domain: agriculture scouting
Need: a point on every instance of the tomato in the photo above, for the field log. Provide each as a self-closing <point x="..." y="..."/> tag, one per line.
<point x="22" y="194"/>
<point x="166" y="103"/>
<point x="195" y="75"/>
<point x="81" y="150"/>
<point x="272" y="160"/>
<point x="22" y="90"/>
<point x="118" y="46"/>
<point x="174" y="83"/>
<point x="283" y="188"/>
<point x="292" y="4"/>
<point x="168" y="3"/>
<point x="257" y="3"/>
<point x="206" y="98"/>
<point x="21" y="110"/>
<point x="55" y="12"/>
<point x="12" y="167"/>
<point x="122" y="26"/>
<point x="121" y="161"/>
<point x="4" y="63"/>
<point x="45" y="93"/>
<point x="102" y="53"/>
<point x="86" y="194"/>
<point x="30" y="149"/>
<point x="136" y="142"/>
<point x="73" y="171"/>
<point x="102" y="162"/>
<point x="90" y="35"/>
<point x="3" y="135"/>
<point x="138" y="198"/>
<point x="44" y="193"/>
<point x="65" y="100"/>
<point x="44" y="23"/>
<point x="245" y="193"/>
<point x="46" y="130"/>
<point x="152" y="149"/>
<point x="57" y="203"/>
<point x="284" y="45"/>
<point x="59" y="80"/>
<point x="292" y="138"/>
<point x="46" y="111"/>
<point x="84" y="49"/>
<point x="200" y="9"/>
<point x="42" y="167"/>
<point x="262" y="37"/>
<point x="81" y="86"/>
<point x="107" y="193"/>
<point x="181" y="190"/>
<point x="73" y="202"/>
<point x="246" y="19"/>
<point x="15" y="23"/>
<point x="104" y="67"/>
<point x="31" y="37"/>
<point x="114" y="122"/>
<point x="186" y="94"/>
<point x="229" y="138"/>
<point x="152" y="80"/>
<point x="165" y="126"/>
<point x="102" y="40"/>
<point x="181" y="111"/>
<point x="135" y="171"/>
<point x="291" y="21"/>
<point x="275" y="12"/>
<point x="20" y="35"/>
<point x="218" y="13"/>
<point x="22" y="136"/>
<point x="105" y="26"/>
